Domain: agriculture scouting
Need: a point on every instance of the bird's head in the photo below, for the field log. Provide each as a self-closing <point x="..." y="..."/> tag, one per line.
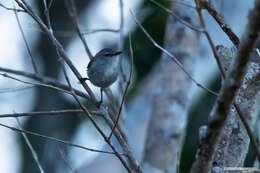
<point x="108" y="52"/>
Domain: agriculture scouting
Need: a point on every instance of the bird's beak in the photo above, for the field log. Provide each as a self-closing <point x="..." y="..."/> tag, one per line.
<point x="117" y="53"/>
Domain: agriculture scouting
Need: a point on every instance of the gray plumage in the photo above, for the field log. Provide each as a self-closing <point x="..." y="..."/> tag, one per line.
<point x="103" y="68"/>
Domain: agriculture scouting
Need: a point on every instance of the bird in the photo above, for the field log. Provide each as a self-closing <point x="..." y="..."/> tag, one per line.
<point x="102" y="70"/>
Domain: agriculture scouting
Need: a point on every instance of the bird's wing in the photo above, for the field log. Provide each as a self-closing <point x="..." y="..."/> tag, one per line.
<point x="90" y="63"/>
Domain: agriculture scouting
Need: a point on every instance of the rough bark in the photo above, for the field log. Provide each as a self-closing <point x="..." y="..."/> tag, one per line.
<point x="227" y="94"/>
<point x="170" y="90"/>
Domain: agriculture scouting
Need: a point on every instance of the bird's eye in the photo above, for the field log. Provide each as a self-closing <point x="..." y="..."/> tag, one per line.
<point x="107" y="54"/>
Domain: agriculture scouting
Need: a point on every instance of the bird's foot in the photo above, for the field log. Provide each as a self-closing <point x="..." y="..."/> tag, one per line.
<point x="99" y="104"/>
<point x="82" y="80"/>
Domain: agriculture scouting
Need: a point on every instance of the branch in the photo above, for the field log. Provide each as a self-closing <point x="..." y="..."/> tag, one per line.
<point x="25" y="41"/>
<point x="92" y="120"/>
<point x="54" y="112"/>
<point x="220" y="20"/>
<point x="34" y="154"/>
<point x="236" y="105"/>
<point x="172" y="57"/>
<point x="235" y="136"/>
<point x="182" y="3"/>
<point x="66" y="161"/>
<point x="198" y="9"/>
<point x="61" y="51"/>
<point x="126" y="89"/>
<point x="57" y="45"/>
<point x="227" y="93"/>
<point x="11" y="90"/>
<point x="13" y="9"/>
<point x="72" y="12"/>
<point x="55" y="139"/>
<point x="166" y="107"/>
<point x="178" y="18"/>
<point x="45" y="81"/>
<point x="84" y="32"/>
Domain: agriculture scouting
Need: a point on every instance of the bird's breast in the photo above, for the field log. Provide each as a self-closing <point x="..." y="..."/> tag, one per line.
<point x="103" y="74"/>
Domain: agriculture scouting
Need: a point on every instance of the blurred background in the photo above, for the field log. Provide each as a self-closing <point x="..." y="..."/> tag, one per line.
<point x="18" y="97"/>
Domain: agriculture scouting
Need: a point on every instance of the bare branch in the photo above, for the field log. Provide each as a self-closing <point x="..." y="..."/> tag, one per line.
<point x="182" y="3"/>
<point x="31" y="83"/>
<point x="172" y="57"/>
<point x="57" y="45"/>
<point x="11" y="90"/>
<point x="178" y="18"/>
<point x="45" y="81"/>
<point x="53" y="112"/>
<point x="240" y="114"/>
<point x="28" y="143"/>
<point x="94" y="31"/>
<point x="64" y="157"/>
<point x="227" y="93"/>
<point x="198" y="8"/>
<point x="13" y="9"/>
<point x="84" y="32"/>
<point x="55" y="139"/>
<point x="236" y="105"/>
<point x="126" y="89"/>
<point x="25" y="42"/>
<point x="245" y="106"/>
<point x="220" y="20"/>
<point x="73" y="15"/>
<point x="47" y="14"/>
<point x="121" y="44"/>
<point x="92" y="120"/>
<point x="61" y="51"/>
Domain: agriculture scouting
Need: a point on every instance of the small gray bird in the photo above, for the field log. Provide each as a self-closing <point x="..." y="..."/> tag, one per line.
<point x="103" y="69"/>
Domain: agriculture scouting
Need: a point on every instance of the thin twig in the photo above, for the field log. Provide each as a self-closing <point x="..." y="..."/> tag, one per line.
<point x="11" y="90"/>
<point x="100" y="30"/>
<point x="53" y="112"/>
<point x="73" y="15"/>
<point x="35" y="84"/>
<point x="126" y="89"/>
<point x="172" y="57"/>
<point x="92" y="120"/>
<point x="65" y="159"/>
<point x="203" y="30"/>
<point x="28" y="143"/>
<point x="177" y="17"/>
<point x="58" y="47"/>
<point x="55" y="139"/>
<point x="25" y="42"/>
<point x="50" y="4"/>
<point x="121" y="43"/>
<point x="182" y="3"/>
<point x="45" y="81"/>
<point x="220" y="20"/>
<point x="113" y="101"/>
<point x="228" y="92"/>
<point x="198" y="8"/>
<point x="47" y="14"/>
<point x="236" y="105"/>
<point x="13" y="9"/>
<point x="84" y="32"/>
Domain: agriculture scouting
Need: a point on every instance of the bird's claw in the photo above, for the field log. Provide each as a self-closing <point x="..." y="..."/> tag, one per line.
<point x="99" y="104"/>
<point x="82" y="80"/>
